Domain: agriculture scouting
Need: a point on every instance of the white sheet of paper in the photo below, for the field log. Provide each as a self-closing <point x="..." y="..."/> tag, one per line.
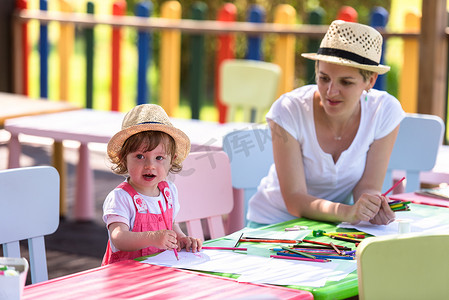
<point x="258" y="269"/>
<point x="168" y="258"/>
<point x="290" y="272"/>
<point x="423" y="218"/>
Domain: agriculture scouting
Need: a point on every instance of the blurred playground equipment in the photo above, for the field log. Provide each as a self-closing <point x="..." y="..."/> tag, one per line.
<point x="418" y="75"/>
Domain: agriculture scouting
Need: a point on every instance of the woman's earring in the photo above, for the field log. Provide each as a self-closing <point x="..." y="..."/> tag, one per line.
<point x="366" y="94"/>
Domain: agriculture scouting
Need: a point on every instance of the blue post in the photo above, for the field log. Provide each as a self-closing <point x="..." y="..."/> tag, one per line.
<point x="89" y="38"/>
<point x="379" y="19"/>
<point x="256" y="14"/>
<point x="143" y="9"/>
<point x="43" y="50"/>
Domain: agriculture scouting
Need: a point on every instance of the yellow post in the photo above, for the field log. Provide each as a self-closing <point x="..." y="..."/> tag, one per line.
<point x="284" y="51"/>
<point x="65" y="47"/>
<point x="408" y="84"/>
<point x="59" y="164"/>
<point x="170" y="60"/>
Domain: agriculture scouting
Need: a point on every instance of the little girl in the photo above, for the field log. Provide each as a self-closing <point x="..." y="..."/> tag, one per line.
<point x="146" y="149"/>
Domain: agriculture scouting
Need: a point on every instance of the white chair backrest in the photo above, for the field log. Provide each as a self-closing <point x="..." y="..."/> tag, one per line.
<point x="406" y="266"/>
<point x="29" y="209"/>
<point x="419" y="139"/>
<point x="250" y="152"/>
<point x="251" y="85"/>
<point x="205" y="192"/>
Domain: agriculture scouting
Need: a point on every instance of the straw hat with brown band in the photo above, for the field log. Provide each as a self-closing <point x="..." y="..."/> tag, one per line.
<point x="149" y="117"/>
<point x="351" y="44"/>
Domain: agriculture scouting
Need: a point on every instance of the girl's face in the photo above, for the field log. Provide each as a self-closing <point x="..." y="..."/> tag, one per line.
<point x="147" y="169"/>
<point x="340" y="87"/>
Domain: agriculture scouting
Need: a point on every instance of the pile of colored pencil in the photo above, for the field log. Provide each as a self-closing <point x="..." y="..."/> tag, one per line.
<point x="315" y="253"/>
<point x="399" y="205"/>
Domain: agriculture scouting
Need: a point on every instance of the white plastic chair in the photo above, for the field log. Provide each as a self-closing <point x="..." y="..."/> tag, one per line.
<point x="29" y="209"/>
<point x="251" y="85"/>
<point x="419" y="139"/>
<point x="408" y="266"/>
<point x="250" y="152"/>
<point x="205" y="192"/>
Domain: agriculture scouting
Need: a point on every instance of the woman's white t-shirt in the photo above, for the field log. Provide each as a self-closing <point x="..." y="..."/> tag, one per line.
<point x="293" y="111"/>
<point x="119" y="203"/>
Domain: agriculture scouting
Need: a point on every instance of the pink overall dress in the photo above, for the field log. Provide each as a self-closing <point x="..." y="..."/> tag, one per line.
<point x="144" y="221"/>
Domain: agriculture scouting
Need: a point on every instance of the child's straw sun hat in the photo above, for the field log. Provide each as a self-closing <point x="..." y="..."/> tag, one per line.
<point x="149" y="117"/>
<point x="351" y="44"/>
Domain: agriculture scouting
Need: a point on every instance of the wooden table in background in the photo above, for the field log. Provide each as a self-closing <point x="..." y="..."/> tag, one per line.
<point x="15" y="106"/>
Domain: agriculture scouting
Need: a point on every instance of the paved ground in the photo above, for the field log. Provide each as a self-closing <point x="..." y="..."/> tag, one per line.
<point x="75" y="246"/>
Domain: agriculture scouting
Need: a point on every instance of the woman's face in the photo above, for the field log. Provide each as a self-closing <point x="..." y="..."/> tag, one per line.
<point x="340" y="87"/>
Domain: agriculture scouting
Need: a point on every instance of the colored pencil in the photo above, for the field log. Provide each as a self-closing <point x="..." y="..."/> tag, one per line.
<point x="394" y="185"/>
<point x="321" y="243"/>
<point x="400" y="209"/>
<point x="298" y="252"/>
<point x="349" y="252"/>
<point x="238" y="241"/>
<point x="335" y="248"/>
<point x="267" y="241"/>
<point x="299" y="258"/>
<point x="166" y="225"/>
<point x="352" y="235"/>
<point x="223" y="248"/>
<point x="397" y="205"/>
<point x="401" y="203"/>
<point x="347" y="232"/>
<point x="309" y="251"/>
<point x="317" y="256"/>
<point x="320" y="247"/>
<point x="312" y="247"/>
<point x="346" y="239"/>
<point x="334" y="257"/>
<point x="394" y="202"/>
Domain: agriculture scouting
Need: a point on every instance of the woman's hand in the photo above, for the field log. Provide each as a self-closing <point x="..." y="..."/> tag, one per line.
<point x="190" y="243"/>
<point x="385" y="215"/>
<point x="366" y="208"/>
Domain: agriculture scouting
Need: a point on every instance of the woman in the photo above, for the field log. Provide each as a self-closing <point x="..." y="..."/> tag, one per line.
<point x="332" y="141"/>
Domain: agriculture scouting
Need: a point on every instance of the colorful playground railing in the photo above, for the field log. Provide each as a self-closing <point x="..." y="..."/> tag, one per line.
<point x="171" y="26"/>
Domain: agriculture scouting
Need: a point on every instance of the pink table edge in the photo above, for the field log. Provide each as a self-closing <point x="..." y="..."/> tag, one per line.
<point x="150" y="280"/>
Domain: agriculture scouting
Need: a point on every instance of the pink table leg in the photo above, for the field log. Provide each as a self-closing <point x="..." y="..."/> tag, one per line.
<point x="84" y="206"/>
<point x="14" y="151"/>
<point x="236" y="218"/>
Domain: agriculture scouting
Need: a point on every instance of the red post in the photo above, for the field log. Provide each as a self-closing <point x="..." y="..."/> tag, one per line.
<point x="118" y="9"/>
<point x="22" y="4"/>
<point x="348" y="14"/>
<point x="225" y="50"/>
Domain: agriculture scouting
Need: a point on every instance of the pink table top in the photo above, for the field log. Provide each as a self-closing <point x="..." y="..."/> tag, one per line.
<point x="420" y="199"/>
<point x="130" y="279"/>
